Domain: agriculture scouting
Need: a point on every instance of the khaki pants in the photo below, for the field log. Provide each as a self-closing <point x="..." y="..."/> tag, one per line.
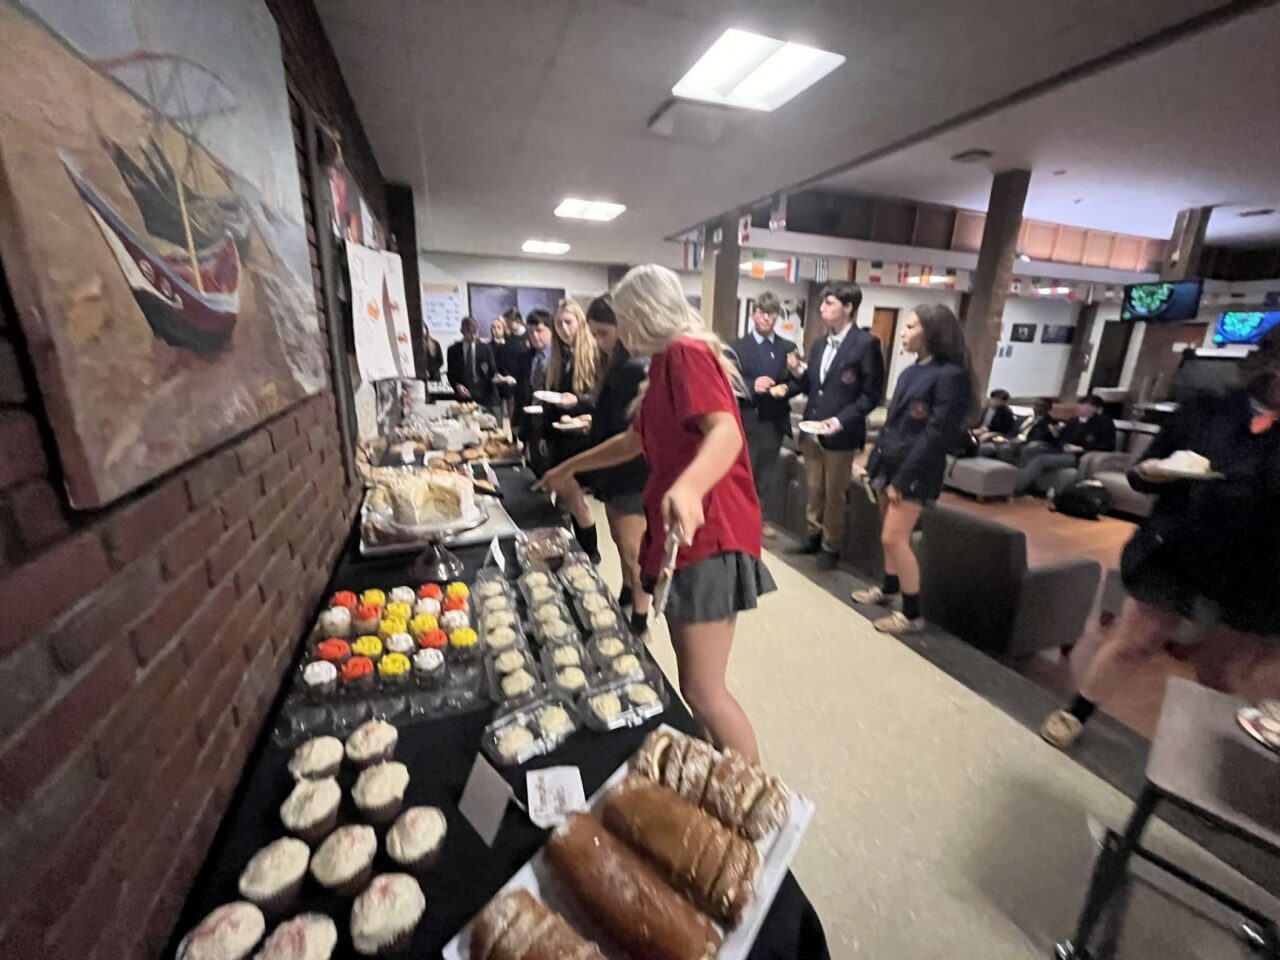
<point x="827" y="475"/>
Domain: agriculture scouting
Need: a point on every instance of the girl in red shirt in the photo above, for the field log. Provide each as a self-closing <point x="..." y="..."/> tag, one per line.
<point x="690" y="432"/>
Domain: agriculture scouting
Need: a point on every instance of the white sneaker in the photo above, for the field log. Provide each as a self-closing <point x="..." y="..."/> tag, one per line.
<point x="898" y="624"/>
<point x="871" y="595"/>
<point x="1061" y="729"/>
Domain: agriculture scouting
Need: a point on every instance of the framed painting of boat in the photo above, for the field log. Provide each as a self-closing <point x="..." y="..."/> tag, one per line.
<point x="152" y="229"/>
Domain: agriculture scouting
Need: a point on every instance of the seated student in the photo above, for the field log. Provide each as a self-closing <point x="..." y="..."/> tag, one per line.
<point x="997" y="418"/>
<point x="1090" y="430"/>
<point x="1038" y="433"/>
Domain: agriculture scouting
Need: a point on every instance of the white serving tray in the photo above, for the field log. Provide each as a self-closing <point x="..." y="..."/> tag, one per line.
<point x="776" y="853"/>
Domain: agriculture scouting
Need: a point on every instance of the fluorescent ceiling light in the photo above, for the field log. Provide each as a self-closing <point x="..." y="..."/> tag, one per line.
<point x="602" y="210"/>
<point x="769" y="265"/>
<point x="554" y="247"/>
<point x="746" y="70"/>
<point x="1046" y="291"/>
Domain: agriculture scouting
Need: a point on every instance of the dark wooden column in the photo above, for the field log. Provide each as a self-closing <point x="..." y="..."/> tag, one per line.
<point x="720" y="264"/>
<point x="990" y="286"/>
<point x="1078" y="361"/>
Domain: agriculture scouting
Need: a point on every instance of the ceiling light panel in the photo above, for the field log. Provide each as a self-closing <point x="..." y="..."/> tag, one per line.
<point x="599" y="210"/>
<point x="746" y="70"/>
<point x="553" y="247"/>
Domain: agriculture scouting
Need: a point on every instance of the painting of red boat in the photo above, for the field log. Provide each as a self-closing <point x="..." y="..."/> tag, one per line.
<point x="153" y="230"/>
<point x="195" y="309"/>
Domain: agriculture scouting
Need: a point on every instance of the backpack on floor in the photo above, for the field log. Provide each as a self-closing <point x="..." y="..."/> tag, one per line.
<point x="1086" y="499"/>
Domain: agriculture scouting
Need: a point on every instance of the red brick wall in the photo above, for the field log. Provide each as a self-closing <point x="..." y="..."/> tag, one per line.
<point x="141" y="645"/>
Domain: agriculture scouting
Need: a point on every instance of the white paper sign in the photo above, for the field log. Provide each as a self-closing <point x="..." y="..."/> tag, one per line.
<point x="554" y="793"/>
<point x="497" y="556"/>
<point x="379" y="320"/>
<point x="484" y="799"/>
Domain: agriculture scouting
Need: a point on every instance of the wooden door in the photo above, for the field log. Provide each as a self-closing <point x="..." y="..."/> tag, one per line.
<point x="1111" y="353"/>
<point x="884" y="323"/>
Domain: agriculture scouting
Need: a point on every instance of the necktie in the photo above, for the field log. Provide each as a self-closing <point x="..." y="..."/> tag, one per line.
<point x="539" y="378"/>
<point x="471" y="360"/>
<point x="828" y="356"/>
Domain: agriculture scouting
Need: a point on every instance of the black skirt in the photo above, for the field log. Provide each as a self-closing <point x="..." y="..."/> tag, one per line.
<point x="716" y="588"/>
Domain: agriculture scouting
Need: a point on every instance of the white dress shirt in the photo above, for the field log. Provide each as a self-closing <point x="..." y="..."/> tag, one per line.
<point x="829" y="353"/>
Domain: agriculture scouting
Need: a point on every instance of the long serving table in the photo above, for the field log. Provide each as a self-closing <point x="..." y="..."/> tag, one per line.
<point x="439" y="754"/>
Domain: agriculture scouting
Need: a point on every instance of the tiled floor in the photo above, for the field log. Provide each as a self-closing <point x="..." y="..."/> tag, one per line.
<point x="945" y="827"/>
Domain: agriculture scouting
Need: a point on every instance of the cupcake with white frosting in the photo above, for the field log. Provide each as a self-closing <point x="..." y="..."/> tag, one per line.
<point x="417" y="838"/>
<point x="402" y="595"/>
<point x="344" y="862"/>
<point x="308" y="936"/>
<point x="372" y="742"/>
<point x="379" y="790"/>
<point x="311" y="810"/>
<point x="228" y="933"/>
<point x="336" y="622"/>
<point x="384" y="917"/>
<point x="273" y="876"/>
<point x="316" y="759"/>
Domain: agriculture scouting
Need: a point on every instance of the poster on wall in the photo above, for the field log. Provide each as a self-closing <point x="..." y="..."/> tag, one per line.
<point x="442" y="311"/>
<point x="345" y="220"/>
<point x="489" y="300"/>
<point x="379" y="320"/>
<point x="1057" y="333"/>
<point x="1023" y="333"/>
<point x="153" y="229"/>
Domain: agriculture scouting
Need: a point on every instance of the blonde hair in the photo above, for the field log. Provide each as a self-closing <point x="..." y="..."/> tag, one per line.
<point x="586" y="355"/>
<point x="652" y="311"/>
<point x="498" y="324"/>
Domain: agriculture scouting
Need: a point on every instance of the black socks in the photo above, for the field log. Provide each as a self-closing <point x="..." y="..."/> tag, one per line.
<point x="639" y="623"/>
<point x="891" y="585"/>
<point x="589" y="540"/>
<point x="1082" y="708"/>
<point x="625" y="598"/>
<point x="911" y="605"/>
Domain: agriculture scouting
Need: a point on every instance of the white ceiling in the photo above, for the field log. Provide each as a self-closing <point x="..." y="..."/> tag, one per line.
<point x="1192" y="124"/>
<point x="504" y="107"/>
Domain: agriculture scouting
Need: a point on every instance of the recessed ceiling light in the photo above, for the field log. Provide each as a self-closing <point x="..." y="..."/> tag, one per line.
<point x="746" y="70"/>
<point x="554" y="247"/>
<point x="1259" y="212"/>
<point x="769" y="265"/>
<point x="601" y="210"/>
<point x="972" y="156"/>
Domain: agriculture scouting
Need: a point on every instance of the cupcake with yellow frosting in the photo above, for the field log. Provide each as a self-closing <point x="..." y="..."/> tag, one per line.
<point x="398" y="610"/>
<point x="390" y="626"/>
<point x="367" y="646"/>
<point x="374" y="597"/>
<point x="457" y="589"/>
<point x="394" y="669"/>
<point x="463" y="640"/>
<point x="422" y="623"/>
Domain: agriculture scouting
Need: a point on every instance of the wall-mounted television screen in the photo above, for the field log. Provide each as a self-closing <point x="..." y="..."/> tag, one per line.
<point x="1245" y="326"/>
<point x="1161" y="302"/>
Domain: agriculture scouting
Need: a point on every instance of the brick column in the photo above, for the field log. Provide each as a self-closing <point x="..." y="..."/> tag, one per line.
<point x="720" y="277"/>
<point x="995" y="268"/>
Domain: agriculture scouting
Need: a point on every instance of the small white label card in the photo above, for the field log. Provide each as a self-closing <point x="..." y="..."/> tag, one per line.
<point x="484" y="799"/>
<point x="554" y="793"/>
<point x="496" y="555"/>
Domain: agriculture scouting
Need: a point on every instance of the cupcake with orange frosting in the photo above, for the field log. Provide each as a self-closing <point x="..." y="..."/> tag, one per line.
<point x="454" y="603"/>
<point x="430" y="591"/>
<point x="357" y="673"/>
<point x="343" y="598"/>
<point x="433" y="640"/>
<point x="335" y="650"/>
<point x="366" y="618"/>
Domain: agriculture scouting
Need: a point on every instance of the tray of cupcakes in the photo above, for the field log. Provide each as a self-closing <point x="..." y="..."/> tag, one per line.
<point x="679" y="855"/>
<point x="401" y="654"/>
<point x="346" y="870"/>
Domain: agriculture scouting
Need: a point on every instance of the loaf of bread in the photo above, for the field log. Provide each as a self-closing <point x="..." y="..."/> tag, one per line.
<point x="626" y="896"/>
<point x="728" y="786"/>
<point x="702" y="858"/>
<point x="518" y="926"/>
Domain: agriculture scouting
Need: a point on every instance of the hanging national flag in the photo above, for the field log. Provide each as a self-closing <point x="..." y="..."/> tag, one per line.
<point x="744" y="230"/>
<point x="822" y="269"/>
<point x="692" y="255"/>
<point x="949" y="277"/>
<point x="793" y="269"/>
<point x="850" y="267"/>
<point x="904" y="274"/>
<point x="757" y="264"/>
<point x="874" y="271"/>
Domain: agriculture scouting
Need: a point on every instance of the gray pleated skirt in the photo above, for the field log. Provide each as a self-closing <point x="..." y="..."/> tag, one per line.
<point x="718" y="588"/>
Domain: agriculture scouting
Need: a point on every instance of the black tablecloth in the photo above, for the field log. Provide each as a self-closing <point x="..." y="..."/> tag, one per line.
<point x="439" y="754"/>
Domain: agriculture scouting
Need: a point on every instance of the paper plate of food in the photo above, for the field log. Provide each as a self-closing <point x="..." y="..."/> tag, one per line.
<point x="817" y="428"/>
<point x="1262" y="722"/>
<point x="573" y="424"/>
<point x="1182" y="465"/>
<point x="549" y="396"/>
